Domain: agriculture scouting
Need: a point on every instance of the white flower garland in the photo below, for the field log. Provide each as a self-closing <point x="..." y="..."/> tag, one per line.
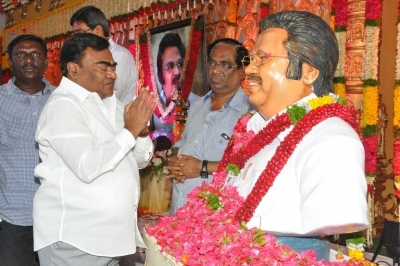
<point x="371" y="60"/>
<point x="341" y="38"/>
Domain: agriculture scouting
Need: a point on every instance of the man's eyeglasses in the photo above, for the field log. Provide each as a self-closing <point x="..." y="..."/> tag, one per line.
<point x="171" y="65"/>
<point x="258" y="59"/>
<point x="224" y="65"/>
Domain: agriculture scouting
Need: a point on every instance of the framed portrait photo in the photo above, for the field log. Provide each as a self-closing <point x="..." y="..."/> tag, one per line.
<point x="169" y="46"/>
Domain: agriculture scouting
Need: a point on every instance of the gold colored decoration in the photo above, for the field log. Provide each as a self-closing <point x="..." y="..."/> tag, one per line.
<point x="221" y="9"/>
<point x="249" y="6"/>
<point x="23" y="10"/>
<point x="321" y="8"/>
<point x="209" y="13"/>
<point x="318" y="7"/>
<point x="355" y="46"/>
<point x="54" y="4"/>
<point x="10" y="21"/>
<point x="38" y="5"/>
<point x="210" y="33"/>
<point x="221" y="29"/>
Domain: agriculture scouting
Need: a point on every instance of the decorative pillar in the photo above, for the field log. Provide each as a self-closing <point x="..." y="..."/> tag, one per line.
<point x="355" y="52"/>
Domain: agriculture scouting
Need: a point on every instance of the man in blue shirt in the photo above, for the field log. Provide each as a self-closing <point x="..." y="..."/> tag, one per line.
<point x="21" y="102"/>
<point x="210" y="122"/>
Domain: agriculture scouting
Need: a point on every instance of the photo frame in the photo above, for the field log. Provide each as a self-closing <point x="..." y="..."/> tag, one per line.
<point x="182" y="28"/>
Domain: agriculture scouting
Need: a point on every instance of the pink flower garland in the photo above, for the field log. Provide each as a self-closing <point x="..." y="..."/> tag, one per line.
<point x="205" y="232"/>
<point x="373" y="9"/>
<point x="144" y="55"/>
<point x="370" y="146"/>
<point x="340" y="12"/>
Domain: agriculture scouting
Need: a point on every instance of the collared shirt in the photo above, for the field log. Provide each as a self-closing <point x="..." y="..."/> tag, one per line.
<point x="19" y="113"/>
<point x="202" y="138"/>
<point x="125" y="84"/>
<point x="89" y="174"/>
<point x="322" y="188"/>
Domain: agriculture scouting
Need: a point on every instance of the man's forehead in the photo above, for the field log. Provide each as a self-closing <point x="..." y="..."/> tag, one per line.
<point x="223" y="51"/>
<point x="97" y="56"/>
<point x="271" y="40"/>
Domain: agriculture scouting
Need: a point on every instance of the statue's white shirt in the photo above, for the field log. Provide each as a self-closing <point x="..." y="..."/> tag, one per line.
<point x="320" y="191"/>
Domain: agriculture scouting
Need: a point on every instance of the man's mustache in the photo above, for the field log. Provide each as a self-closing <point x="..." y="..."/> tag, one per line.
<point x="254" y="77"/>
<point x="29" y="65"/>
<point x="175" y="80"/>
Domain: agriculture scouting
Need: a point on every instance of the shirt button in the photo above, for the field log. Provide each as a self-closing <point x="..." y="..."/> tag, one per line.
<point x="196" y="141"/>
<point x="205" y="126"/>
<point x="34" y="113"/>
<point x="33" y="96"/>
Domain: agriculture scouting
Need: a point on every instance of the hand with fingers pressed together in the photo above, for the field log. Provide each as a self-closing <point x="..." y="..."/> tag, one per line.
<point x="138" y="113"/>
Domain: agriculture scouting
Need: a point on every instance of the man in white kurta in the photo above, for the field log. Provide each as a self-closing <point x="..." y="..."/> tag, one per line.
<point x="91" y="149"/>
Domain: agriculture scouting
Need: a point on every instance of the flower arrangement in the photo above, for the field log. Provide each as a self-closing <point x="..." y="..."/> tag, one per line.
<point x="210" y="228"/>
<point x="369" y="119"/>
<point x="157" y="163"/>
<point x="396" y="113"/>
<point x="339" y="17"/>
<point x="162" y="150"/>
<point x="355" y="247"/>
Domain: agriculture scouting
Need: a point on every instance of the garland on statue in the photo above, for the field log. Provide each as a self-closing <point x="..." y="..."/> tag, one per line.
<point x="209" y="213"/>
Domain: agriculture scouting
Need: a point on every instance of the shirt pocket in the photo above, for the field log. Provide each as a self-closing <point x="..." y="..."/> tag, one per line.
<point x="14" y="132"/>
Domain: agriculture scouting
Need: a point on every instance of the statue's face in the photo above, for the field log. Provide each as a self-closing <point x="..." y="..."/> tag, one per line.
<point x="269" y="88"/>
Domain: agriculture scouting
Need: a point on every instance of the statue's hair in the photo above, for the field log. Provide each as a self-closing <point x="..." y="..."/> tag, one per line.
<point x="311" y="41"/>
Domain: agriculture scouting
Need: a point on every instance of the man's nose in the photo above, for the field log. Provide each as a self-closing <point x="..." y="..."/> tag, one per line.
<point x="176" y="69"/>
<point x="250" y="69"/>
<point x="111" y="74"/>
<point x="29" y="58"/>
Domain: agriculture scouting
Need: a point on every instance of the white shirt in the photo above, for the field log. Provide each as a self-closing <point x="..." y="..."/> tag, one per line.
<point x="322" y="188"/>
<point x="89" y="175"/>
<point x="125" y="84"/>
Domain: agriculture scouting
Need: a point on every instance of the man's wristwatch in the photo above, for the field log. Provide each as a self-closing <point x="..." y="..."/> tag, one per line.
<point x="204" y="172"/>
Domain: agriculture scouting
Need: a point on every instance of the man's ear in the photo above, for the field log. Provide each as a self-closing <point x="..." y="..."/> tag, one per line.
<point x="10" y="63"/>
<point x="73" y="70"/>
<point x="98" y="30"/>
<point x="242" y="74"/>
<point x="309" y="74"/>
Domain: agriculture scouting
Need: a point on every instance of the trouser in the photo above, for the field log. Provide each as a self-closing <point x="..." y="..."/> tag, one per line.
<point x="16" y="245"/>
<point x="300" y="244"/>
<point x="63" y="254"/>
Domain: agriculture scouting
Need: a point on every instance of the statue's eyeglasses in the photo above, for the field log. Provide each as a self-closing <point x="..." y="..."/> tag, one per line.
<point x="258" y="59"/>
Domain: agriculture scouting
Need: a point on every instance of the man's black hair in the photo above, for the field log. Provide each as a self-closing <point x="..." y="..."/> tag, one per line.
<point x="241" y="51"/>
<point x="91" y="16"/>
<point x="74" y="48"/>
<point x="26" y="37"/>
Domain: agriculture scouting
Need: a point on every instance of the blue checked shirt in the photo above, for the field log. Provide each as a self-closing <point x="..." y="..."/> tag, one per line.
<point x="19" y="114"/>
<point x="202" y="137"/>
